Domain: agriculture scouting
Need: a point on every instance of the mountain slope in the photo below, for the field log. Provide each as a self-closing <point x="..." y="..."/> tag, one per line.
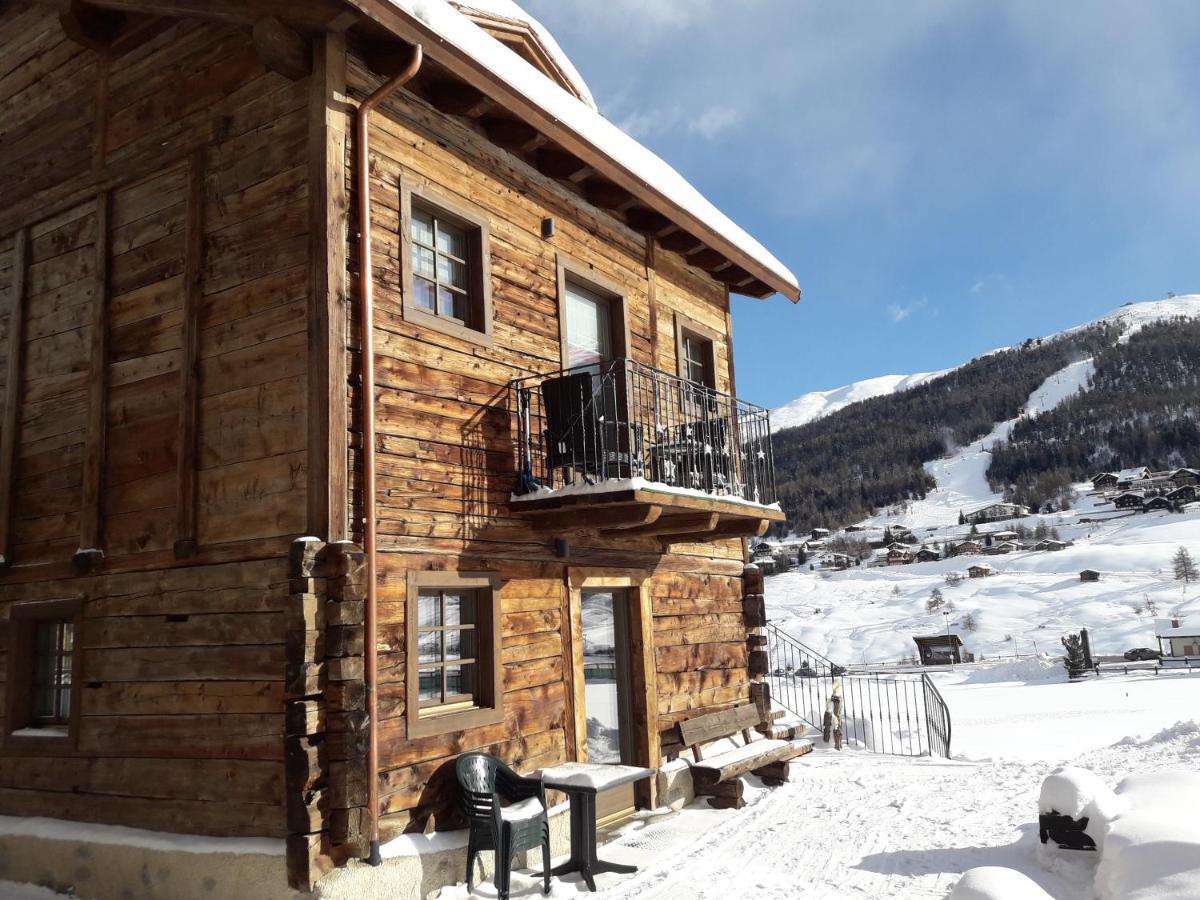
<point x="816" y="404"/>
<point x="860" y="455"/>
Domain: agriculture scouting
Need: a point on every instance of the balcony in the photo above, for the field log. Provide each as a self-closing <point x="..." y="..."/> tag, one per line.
<point x="626" y="450"/>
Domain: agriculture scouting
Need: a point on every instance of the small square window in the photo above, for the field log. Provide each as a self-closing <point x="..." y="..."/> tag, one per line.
<point x="447" y="282"/>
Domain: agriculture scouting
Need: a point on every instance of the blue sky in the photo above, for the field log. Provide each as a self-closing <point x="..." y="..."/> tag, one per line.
<point x="944" y="176"/>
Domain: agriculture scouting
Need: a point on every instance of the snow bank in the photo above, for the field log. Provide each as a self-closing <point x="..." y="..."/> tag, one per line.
<point x="1151" y="854"/>
<point x="1079" y="793"/>
<point x="996" y="883"/>
<point x="120" y="835"/>
<point x="1033" y="668"/>
<point x="1167" y="792"/>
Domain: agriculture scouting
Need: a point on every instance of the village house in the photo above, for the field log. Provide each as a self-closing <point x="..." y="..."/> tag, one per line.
<point x="981" y="571"/>
<point x="1051" y="545"/>
<point x="1182" y="477"/>
<point x="926" y="554"/>
<point x="1178" y="637"/>
<point x="995" y="512"/>
<point x="964" y="548"/>
<point x="1157" y="504"/>
<point x="1104" y="481"/>
<point x="1128" y="500"/>
<point x="899" y="556"/>
<point x="1127" y="478"/>
<point x="1004" y="535"/>
<point x="1185" y="494"/>
<point x="355" y="368"/>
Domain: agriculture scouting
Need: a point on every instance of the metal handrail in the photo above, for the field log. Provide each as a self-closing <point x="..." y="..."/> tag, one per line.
<point x="623" y="419"/>
<point x="897" y="714"/>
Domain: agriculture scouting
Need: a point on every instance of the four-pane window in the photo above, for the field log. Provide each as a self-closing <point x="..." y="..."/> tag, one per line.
<point x="696" y="355"/>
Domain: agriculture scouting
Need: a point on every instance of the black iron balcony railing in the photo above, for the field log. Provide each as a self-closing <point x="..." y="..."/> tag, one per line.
<point x="625" y="420"/>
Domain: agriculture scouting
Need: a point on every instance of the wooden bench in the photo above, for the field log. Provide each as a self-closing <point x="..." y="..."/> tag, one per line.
<point x="718" y="776"/>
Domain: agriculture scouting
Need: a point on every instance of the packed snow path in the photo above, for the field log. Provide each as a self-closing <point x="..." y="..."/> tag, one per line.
<point x="861" y="825"/>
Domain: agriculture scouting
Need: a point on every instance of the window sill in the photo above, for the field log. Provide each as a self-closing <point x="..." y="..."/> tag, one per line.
<point x="434" y="322"/>
<point x="41" y="741"/>
<point x="453" y="720"/>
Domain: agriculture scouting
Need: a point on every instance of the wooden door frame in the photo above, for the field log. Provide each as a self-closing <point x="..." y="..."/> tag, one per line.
<point x="643" y="668"/>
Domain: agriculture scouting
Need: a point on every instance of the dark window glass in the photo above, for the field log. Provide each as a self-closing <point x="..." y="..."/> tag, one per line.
<point x="441" y="271"/>
<point x="53" y="644"/>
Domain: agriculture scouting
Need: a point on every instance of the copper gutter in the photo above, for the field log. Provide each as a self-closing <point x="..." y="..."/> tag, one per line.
<point x="366" y="318"/>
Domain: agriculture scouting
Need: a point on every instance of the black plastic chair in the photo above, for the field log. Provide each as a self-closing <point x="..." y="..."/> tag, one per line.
<point x="483" y="782"/>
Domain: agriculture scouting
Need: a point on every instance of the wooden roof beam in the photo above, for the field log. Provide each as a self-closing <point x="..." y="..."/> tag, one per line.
<point x="311" y="14"/>
<point x="559" y="163"/>
<point x="456" y="98"/>
<point x="680" y="242"/>
<point x="603" y="193"/>
<point x="709" y="260"/>
<point x="617" y="518"/>
<point x="512" y="134"/>
<point x="282" y="49"/>
<point x="647" y="221"/>
<point x="90" y="26"/>
<point x="691" y="523"/>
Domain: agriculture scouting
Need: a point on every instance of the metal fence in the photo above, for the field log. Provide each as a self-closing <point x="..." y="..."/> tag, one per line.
<point x="901" y="714"/>
<point x="622" y="419"/>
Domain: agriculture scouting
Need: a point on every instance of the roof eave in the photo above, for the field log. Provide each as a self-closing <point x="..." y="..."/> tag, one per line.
<point x="479" y="76"/>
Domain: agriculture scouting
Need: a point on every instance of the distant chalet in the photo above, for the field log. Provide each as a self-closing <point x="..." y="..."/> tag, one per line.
<point x="996" y="512"/>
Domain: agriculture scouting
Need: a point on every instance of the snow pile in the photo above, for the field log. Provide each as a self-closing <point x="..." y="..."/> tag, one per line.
<point x="1189" y="728"/>
<point x="1033" y="668"/>
<point x="996" y="883"/>
<point x="1151" y="854"/>
<point x="1081" y="794"/>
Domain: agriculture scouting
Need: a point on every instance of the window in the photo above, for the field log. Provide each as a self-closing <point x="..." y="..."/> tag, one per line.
<point x="448" y="673"/>
<point x="696" y="352"/>
<point x="447" y="283"/>
<point x="454" y="674"/>
<point x="593" y="322"/>
<point x="50" y="698"/>
<point x="43" y="674"/>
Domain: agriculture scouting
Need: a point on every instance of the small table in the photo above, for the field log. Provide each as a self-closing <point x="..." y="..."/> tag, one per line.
<point x="581" y="782"/>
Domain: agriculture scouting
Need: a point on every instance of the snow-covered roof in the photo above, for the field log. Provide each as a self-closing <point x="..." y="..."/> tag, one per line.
<point x="1133" y="474"/>
<point x="1189" y="626"/>
<point x="453" y="38"/>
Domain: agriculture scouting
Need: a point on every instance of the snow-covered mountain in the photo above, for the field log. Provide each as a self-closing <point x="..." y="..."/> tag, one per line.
<point x="870" y="614"/>
<point x="816" y="404"/>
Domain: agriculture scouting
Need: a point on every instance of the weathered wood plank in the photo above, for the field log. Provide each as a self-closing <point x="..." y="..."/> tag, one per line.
<point x="12" y="390"/>
<point x="91" y="512"/>
<point x="189" y="395"/>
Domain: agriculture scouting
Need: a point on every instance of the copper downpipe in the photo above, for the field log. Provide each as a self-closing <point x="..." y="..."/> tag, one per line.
<point x="366" y="318"/>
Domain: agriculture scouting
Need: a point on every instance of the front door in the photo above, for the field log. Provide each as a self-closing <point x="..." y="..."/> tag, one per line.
<point x="607" y="691"/>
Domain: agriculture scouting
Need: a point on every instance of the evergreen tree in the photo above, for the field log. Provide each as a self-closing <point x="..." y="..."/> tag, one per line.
<point x="1185" y="566"/>
<point x="1073" y="659"/>
<point x="962" y="518"/>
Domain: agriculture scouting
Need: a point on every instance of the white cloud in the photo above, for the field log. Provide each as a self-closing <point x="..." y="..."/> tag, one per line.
<point x="989" y="283"/>
<point x="900" y="313"/>
<point x="714" y="120"/>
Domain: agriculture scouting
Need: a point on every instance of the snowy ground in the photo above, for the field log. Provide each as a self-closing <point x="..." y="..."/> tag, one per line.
<point x="857" y="825"/>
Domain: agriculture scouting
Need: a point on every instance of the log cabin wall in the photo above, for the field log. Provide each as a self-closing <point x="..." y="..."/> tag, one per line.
<point x="154" y="281"/>
<point x="446" y="469"/>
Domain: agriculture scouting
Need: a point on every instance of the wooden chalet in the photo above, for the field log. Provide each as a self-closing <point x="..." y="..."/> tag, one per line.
<point x="1128" y="500"/>
<point x="1187" y="493"/>
<point x="965" y="547"/>
<point x="1185" y="477"/>
<point x="981" y="571"/>
<point x="927" y="554"/>
<point x="995" y="512"/>
<point x="349" y="357"/>
<point x="1159" y="504"/>
<point x="1089" y="575"/>
<point x="1127" y="478"/>
<point x="1104" y="481"/>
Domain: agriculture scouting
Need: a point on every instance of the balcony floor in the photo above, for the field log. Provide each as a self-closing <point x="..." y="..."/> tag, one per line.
<point x="640" y="508"/>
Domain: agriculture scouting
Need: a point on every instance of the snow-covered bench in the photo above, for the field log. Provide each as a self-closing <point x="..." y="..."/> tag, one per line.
<point x="718" y="776"/>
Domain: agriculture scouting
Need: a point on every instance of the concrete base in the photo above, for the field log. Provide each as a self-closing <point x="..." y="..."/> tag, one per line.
<point x="102" y="862"/>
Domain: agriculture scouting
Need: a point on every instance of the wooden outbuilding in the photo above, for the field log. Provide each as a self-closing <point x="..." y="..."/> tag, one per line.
<point x="941" y="650"/>
<point x="316" y="320"/>
<point x="1089" y="575"/>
